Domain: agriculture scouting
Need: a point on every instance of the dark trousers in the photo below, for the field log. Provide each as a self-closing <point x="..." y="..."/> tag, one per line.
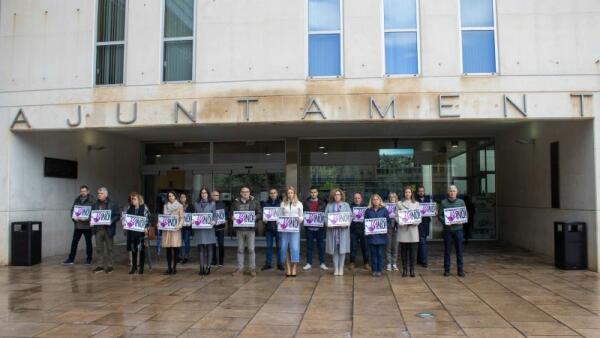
<point x="138" y="254"/>
<point x="408" y="254"/>
<point x="220" y="243"/>
<point x="272" y="236"/>
<point x="172" y="254"/>
<point x="87" y="234"/>
<point x="186" y="233"/>
<point x="377" y="257"/>
<point x="357" y="239"/>
<point x="455" y="237"/>
<point x="422" y="251"/>
<point x="319" y="236"/>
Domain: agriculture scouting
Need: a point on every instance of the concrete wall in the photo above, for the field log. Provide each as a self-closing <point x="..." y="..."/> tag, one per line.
<point x="35" y="197"/>
<point x="523" y="184"/>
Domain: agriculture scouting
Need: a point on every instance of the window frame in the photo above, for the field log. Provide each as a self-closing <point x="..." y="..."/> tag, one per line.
<point x="164" y="40"/>
<point x="109" y="43"/>
<point x="417" y="30"/>
<point x="307" y="35"/>
<point x="482" y="28"/>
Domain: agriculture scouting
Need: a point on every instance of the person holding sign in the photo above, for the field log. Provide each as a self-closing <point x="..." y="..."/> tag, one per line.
<point x="338" y="234"/>
<point x="80" y="214"/>
<point x="314" y="233"/>
<point x="409" y="218"/>
<point x="205" y="237"/>
<point x="377" y="211"/>
<point x="105" y="229"/>
<point x="452" y="213"/>
<point x="391" y="249"/>
<point x="357" y="232"/>
<point x="245" y="212"/>
<point x="271" y="208"/>
<point x="171" y="240"/>
<point x="135" y="238"/>
<point x="186" y="230"/>
<point x="423" y="227"/>
<point x="289" y="230"/>
<point x="220" y="222"/>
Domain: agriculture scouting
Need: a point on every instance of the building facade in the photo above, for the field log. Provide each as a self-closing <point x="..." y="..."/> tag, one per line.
<point x="498" y="97"/>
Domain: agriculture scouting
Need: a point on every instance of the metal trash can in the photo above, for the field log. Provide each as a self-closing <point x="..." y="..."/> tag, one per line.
<point x="570" y="245"/>
<point x="26" y="243"/>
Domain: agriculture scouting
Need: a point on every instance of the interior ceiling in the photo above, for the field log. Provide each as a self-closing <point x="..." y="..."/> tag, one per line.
<point x="321" y="129"/>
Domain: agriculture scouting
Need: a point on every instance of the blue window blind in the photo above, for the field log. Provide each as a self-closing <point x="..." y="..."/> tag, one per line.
<point x="401" y="37"/>
<point x="324" y="38"/>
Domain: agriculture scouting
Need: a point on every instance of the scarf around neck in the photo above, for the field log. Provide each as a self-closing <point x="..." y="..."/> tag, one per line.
<point x="172" y="207"/>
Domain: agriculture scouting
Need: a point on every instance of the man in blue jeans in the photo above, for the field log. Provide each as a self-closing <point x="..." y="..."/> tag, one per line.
<point x="314" y="204"/>
<point x="423" y="229"/>
<point x="452" y="233"/>
<point x="271" y="232"/>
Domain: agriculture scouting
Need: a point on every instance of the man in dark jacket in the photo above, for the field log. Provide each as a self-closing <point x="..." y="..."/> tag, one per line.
<point x="219" y="229"/>
<point x="81" y="227"/>
<point x="271" y="231"/>
<point x="105" y="233"/>
<point x="246" y="235"/>
<point x="423" y="228"/>
<point x="453" y="233"/>
<point x="357" y="235"/>
<point x="314" y="204"/>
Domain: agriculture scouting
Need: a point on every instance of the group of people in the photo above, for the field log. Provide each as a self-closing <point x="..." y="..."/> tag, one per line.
<point x="410" y="239"/>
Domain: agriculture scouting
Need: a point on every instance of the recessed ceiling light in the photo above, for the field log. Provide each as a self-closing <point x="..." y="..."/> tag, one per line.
<point x="325" y="153"/>
<point x="157" y="155"/>
<point x="322" y="147"/>
<point x="268" y="154"/>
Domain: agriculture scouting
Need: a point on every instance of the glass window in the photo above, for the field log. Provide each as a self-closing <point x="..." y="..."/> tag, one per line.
<point x="478" y="36"/>
<point x="324" y="38"/>
<point x="110" y="41"/>
<point x="401" y="37"/>
<point x="178" y="46"/>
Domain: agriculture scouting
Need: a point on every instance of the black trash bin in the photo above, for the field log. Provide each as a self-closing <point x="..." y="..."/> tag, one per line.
<point x="26" y="243"/>
<point x="570" y="245"/>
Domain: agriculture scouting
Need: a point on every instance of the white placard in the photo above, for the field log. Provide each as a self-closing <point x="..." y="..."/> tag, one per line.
<point x="243" y="219"/>
<point x="456" y="216"/>
<point x="81" y="212"/>
<point x="339" y="219"/>
<point x="409" y="216"/>
<point x="391" y="208"/>
<point x="288" y="224"/>
<point x="100" y="217"/>
<point x="220" y="217"/>
<point x="134" y="223"/>
<point x="202" y="220"/>
<point x="168" y="222"/>
<point x="187" y="219"/>
<point x="359" y="214"/>
<point x="314" y="219"/>
<point x="375" y="226"/>
<point x="428" y="209"/>
<point x="270" y="214"/>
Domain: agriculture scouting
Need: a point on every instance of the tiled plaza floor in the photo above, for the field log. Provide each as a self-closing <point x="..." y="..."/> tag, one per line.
<point x="507" y="293"/>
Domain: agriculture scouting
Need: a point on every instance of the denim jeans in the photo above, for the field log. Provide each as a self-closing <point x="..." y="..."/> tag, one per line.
<point x="319" y="236"/>
<point x="377" y="257"/>
<point x="272" y="236"/>
<point x="422" y="253"/>
<point x="87" y="234"/>
<point x="291" y="240"/>
<point x="358" y="240"/>
<point x="186" y="233"/>
<point x="456" y="238"/>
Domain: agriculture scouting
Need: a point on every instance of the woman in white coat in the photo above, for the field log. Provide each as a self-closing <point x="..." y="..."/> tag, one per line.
<point x="338" y="238"/>
<point x="408" y="234"/>
<point x="291" y="207"/>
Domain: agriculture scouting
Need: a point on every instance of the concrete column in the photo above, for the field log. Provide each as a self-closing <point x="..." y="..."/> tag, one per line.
<point x="291" y="162"/>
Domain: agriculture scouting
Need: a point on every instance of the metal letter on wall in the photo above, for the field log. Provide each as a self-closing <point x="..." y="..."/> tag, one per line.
<point x="581" y="97"/>
<point x="247" y="102"/>
<point x="191" y="116"/>
<point x="391" y="105"/>
<point x="133" y="119"/>
<point x="76" y="124"/>
<point x="522" y="110"/>
<point x="309" y="109"/>
<point x="442" y="105"/>
<point x="20" y="119"/>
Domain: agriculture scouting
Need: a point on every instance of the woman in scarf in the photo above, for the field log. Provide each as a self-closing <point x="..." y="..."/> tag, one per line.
<point x="408" y="234"/>
<point x="338" y="238"/>
<point x="205" y="238"/>
<point x="171" y="240"/>
<point x="135" y="239"/>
